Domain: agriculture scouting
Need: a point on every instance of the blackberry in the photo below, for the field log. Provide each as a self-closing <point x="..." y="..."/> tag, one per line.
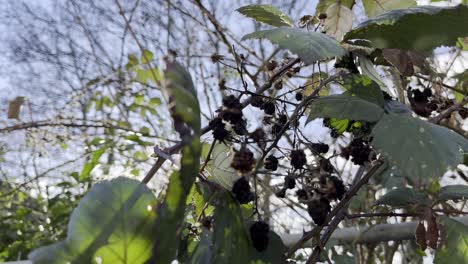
<point x="276" y="129"/>
<point x="463" y="112"/>
<point x="322" y="16"/>
<point x="216" y="122"/>
<point x="271" y="163"/>
<point x="302" y="195"/>
<point x="243" y="160"/>
<point x="418" y="96"/>
<point x="231" y="115"/>
<point x="240" y="128"/>
<point x="242" y="192"/>
<point x="319" y="210"/>
<point x="257" y="101"/>
<point x="269" y="108"/>
<point x="271" y="65"/>
<point x="258" y="135"/>
<point x="282" y="119"/>
<point x="278" y="85"/>
<point x="289" y="182"/>
<point x="281" y="193"/>
<point x="298" y="159"/>
<point x="259" y="234"/>
<point x="427" y="92"/>
<point x="231" y="101"/>
<point x="299" y="96"/>
<point x="339" y="188"/>
<point x="320" y="147"/>
<point x="359" y="150"/>
<point x="220" y="133"/>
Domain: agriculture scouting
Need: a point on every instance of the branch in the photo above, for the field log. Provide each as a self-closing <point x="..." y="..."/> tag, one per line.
<point x="367" y="234"/>
<point x="448" y="111"/>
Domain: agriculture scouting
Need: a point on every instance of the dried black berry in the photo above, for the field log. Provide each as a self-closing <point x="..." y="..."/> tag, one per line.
<point x="257" y="101"/>
<point x="271" y="163"/>
<point x="319" y="210"/>
<point x="320" y="147"/>
<point x="322" y="16"/>
<point x="299" y="96"/>
<point x="359" y="150"/>
<point x="271" y="65"/>
<point x="463" y="112"/>
<point x="386" y="96"/>
<point x="282" y="119"/>
<point x="427" y="92"/>
<point x="242" y="192"/>
<point x="326" y="165"/>
<point x="231" y="101"/>
<point x="276" y="128"/>
<point x="258" y="135"/>
<point x="289" y="182"/>
<point x="278" y="85"/>
<point x="240" y="128"/>
<point x="269" y="108"/>
<point x="339" y="188"/>
<point x="302" y="195"/>
<point x="243" y="160"/>
<point x="298" y="159"/>
<point x="259" y="233"/>
<point x="281" y="193"/>
<point x="220" y="133"/>
<point x="232" y="115"/>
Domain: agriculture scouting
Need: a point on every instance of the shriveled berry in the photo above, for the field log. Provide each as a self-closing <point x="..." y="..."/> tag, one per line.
<point x="302" y="195"/>
<point x="231" y="115"/>
<point x="271" y="65"/>
<point x="322" y="16"/>
<point x="319" y="210"/>
<point x="427" y="92"/>
<point x="339" y="188"/>
<point x="258" y="135"/>
<point x="271" y="163"/>
<point x="276" y="129"/>
<point x="278" y="85"/>
<point x="231" y="101"/>
<point x="298" y="158"/>
<point x="240" y="128"/>
<point x="220" y="133"/>
<point x="260" y="235"/>
<point x="243" y="160"/>
<point x="299" y="96"/>
<point x="359" y="150"/>
<point x="282" y="119"/>
<point x="326" y="165"/>
<point x="289" y="182"/>
<point x="257" y="101"/>
<point x="320" y="147"/>
<point x="242" y="192"/>
<point x="281" y="193"/>
<point x="269" y="108"/>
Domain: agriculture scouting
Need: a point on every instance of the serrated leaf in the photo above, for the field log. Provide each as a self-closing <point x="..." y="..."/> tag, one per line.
<point x="455" y="250"/>
<point x="230" y="239"/>
<point x="421" y="28"/>
<point x="266" y="14"/>
<point x="339" y="21"/>
<point x="364" y="88"/>
<point x="419" y="149"/>
<point x="402" y="197"/>
<point x="323" y="5"/>
<point x="453" y="192"/>
<point x="344" y="106"/>
<point x="112" y="222"/>
<point x="377" y="7"/>
<point x="309" y="46"/>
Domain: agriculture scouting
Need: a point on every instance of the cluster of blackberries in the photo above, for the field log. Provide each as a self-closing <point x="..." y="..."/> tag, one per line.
<point x="219" y="129"/>
<point x="281" y="121"/>
<point x="318" y="194"/>
<point x="298" y="158"/>
<point x="242" y="192"/>
<point x="420" y="102"/>
<point x="271" y="163"/>
<point x="243" y="160"/>
<point x="268" y="106"/>
<point x="260" y="235"/>
<point x="359" y="150"/>
<point x="320" y="148"/>
<point x="230" y="112"/>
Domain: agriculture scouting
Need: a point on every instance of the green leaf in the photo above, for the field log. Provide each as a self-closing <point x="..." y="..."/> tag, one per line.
<point x="203" y="251"/>
<point x="455" y="250"/>
<point x="323" y="5"/>
<point x="112" y="222"/>
<point x="146" y="57"/>
<point x="132" y="61"/>
<point x="364" y="88"/>
<point x="377" y="7"/>
<point x="179" y="88"/>
<point x="453" y="192"/>
<point x="419" y="149"/>
<point x="344" y="106"/>
<point x="153" y="102"/>
<point x="309" y="46"/>
<point x="274" y="253"/>
<point x="402" y="197"/>
<point x="230" y="240"/>
<point x="266" y="14"/>
<point x="421" y="28"/>
<point x="368" y="69"/>
<point x="91" y="164"/>
<point x="339" y="21"/>
<point x="340" y="125"/>
<point x="220" y="166"/>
